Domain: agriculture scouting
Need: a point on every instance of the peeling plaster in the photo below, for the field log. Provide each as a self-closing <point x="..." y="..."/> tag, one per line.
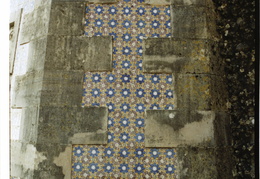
<point x="64" y="161"/>
<point x="194" y="133"/>
<point x="28" y="154"/>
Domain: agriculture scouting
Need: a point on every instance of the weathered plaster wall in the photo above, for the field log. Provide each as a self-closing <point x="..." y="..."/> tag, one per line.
<point x="48" y="94"/>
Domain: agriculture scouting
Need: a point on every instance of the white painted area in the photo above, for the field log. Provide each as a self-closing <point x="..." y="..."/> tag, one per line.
<point x="27" y="5"/>
<point x="171" y="115"/>
<point x="16" y="116"/>
<point x="20" y="65"/>
<point x="28" y="154"/>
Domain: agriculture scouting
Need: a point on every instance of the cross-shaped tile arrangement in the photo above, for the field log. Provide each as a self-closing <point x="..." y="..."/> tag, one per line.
<point x="127" y="92"/>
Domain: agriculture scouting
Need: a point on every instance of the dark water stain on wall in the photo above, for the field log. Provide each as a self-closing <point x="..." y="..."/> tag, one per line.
<point x="237" y="28"/>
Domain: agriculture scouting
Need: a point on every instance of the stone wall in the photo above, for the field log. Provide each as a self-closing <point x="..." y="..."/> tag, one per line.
<point x="140" y="58"/>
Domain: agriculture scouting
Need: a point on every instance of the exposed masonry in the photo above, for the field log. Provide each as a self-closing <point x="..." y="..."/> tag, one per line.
<point x="50" y="93"/>
<point x="50" y="98"/>
<point x="201" y="120"/>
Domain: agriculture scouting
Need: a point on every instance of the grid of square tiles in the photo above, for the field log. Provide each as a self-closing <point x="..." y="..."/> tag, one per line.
<point x="127" y="92"/>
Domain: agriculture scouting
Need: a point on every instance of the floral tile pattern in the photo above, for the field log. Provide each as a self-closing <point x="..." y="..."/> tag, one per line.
<point x="127" y="92"/>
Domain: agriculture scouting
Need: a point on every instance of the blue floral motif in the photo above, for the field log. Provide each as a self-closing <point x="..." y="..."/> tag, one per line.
<point x="127" y="10"/>
<point x="78" y="151"/>
<point x="95" y="92"/>
<point x="127" y="24"/>
<point x="139" y="51"/>
<point x="168" y="79"/>
<point x="114" y="35"/>
<point x="140" y="107"/>
<point x="139" y="65"/>
<point x="155" y="79"/>
<point x="112" y="10"/>
<point x="93" y="151"/>
<point x="141" y="24"/>
<point x="109" y="152"/>
<point x="87" y="9"/>
<point x="112" y="23"/>
<point x="124" y="122"/>
<point x="155" y="93"/>
<point x="155" y="11"/>
<point x="87" y="22"/>
<point x="125" y="92"/>
<point x="139" y="168"/>
<point x="126" y="50"/>
<point x="126" y="64"/>
<point x="167" y="11"/>
<point x="170" y="169"/>
<point x="108" y="167"/>
<point x="93" y="167"/>
<point x="140" y="37"/>
<point x="111" y="107"/>
<point x="155" y="24"/>
<point x="168" y="35"/>
<point x="169" y="94"/>
<point x="168" y="24"/>
<point x="95" y="104"/>
<point x="99" y="23"/>
<point x="124" y="137"/>
<point x="114" y="64"/>
<point x="169" y="106"/>
<point x="139" y="137"/>
<point x="154" y="153"/>
<point x="123" y="168"/>
<point x="155" y="106"/>
<point x="141" y="11"/>
<point x="155" y="35"/>
<point x="99" y="9"/>
<point x="140" y="93"/>
<point x="124" y="152"/>
<point x="126" y="37"/>
<point x="110" y="92"/>
<point x="125" y="78"/>
<point x="96" y="78"/>
<point x="84" y="92"/>
<point x="139" y="122"/>
<point x="110" y="136"/>
<point x="169" y="153"/>
<point x="111" y="78"/>
<point x="111" y="122"/>
<point x="98" y="34"/>
<point x="125" y="107"/>
<point x="154" y="168"/>
<point x="77" y="167"/>
<point x="140" y="79"/>
<point x="85" y="77"/>
<point x="139" y="152"/>
<point x="114" y="50"/>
